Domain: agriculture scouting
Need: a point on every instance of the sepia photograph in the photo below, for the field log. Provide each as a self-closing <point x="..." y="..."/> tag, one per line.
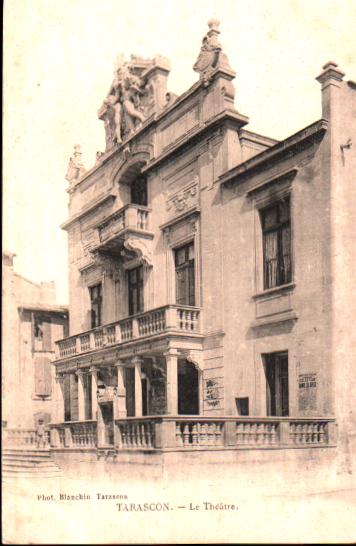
<point x="178" y="271"/>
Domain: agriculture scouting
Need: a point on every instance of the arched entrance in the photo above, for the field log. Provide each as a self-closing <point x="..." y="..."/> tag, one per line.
<point x="188" y="388"/>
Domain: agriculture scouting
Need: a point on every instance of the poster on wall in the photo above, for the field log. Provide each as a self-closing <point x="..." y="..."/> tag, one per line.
<point x="307" y="395"/>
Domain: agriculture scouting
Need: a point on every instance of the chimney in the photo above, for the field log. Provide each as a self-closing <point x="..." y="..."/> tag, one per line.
<point x="330" y="80"/>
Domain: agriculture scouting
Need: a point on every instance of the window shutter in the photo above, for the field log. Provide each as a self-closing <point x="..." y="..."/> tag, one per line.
<point x="43" y="378"/>
<point x="47" y="338"/>
<point x="48" y="377"/>
<point x="39" y="380"/>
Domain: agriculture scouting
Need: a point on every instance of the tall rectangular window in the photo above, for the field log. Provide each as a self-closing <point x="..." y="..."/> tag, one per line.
<point x="135" y="290"/>
<point x="275" y="221"/>
<point x="41" y="332"/>
<point x="185" y="275"/>
<point x="139" y="191"/>
<point x="96" y="301"/>
<point x="276" y="370"/>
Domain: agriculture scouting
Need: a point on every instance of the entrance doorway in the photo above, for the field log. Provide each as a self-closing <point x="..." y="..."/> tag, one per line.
<point x="276" y="370"/>
<point x="188" y="389"/>
<point x="108" y="421"/>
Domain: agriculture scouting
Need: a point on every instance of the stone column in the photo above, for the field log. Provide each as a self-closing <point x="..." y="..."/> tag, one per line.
<point x="58" y="416"/>
<point x="58" y="410"/>
<point x="172" y="381"/>
<point x="138" y="386"/>
<point x="81" y="395"/>
<point x="120" y="400"/>
<point x="94" y="387"/>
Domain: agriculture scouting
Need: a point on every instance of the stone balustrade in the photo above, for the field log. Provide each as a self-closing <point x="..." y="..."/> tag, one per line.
<point x="171" y="318"/>
<point x="199" y="432"/>
<point x="74" y="434"/>
<point x="129" y="217"/>
<point x="135" y="434"/>
<point x="21" y="437"/>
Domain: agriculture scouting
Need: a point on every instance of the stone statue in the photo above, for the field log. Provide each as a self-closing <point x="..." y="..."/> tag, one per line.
<point x="75" y="167"/>
<point x="210" y="56"/>
<point x="137" y="91"/>
<point x="122" y="112"/>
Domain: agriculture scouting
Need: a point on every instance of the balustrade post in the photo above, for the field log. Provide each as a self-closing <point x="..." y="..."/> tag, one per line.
<point x="56" y="350"/>
<point x="165" y="434"/>
<point x="171" y="318"/>
<point x="138" y="386"/>
<point x="81" y="395"/>
<point x="172" y="381"/>
<point x="230" y="429"/>
<point x="120" y="399"/>
<point x="331" y="433"/>
<point x="68" y="440"/>
<point x="135" y="330"/>
<point x="118" y="333"/>
<point x="77" y="345"/>
<point x="131" y="217"/>
<point x="94" y="388"/>
<point x="54" y="437"/>
<point x="284" y="433"/>
<point x="91" y="340"/>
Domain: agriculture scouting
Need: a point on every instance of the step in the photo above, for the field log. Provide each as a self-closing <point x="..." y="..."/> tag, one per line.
<point x="30" y="467"/>
<point x="28" y="464"/>
<point x="25" y="456"/>
<point x="12" y="475"/>
<point x="22" y="450"/>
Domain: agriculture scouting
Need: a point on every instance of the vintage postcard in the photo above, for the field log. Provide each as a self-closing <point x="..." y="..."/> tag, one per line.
<point x="178" y="272"/>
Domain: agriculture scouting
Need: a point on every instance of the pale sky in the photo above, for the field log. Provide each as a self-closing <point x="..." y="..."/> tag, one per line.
<point x="59" y="62"/>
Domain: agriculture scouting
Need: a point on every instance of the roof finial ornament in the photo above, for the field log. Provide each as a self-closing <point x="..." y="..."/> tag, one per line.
<point x="75" y="166"/>
<point x="211" y="56"/>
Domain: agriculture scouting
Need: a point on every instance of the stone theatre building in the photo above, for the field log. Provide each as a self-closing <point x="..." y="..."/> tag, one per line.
<point x="210" y="272"/>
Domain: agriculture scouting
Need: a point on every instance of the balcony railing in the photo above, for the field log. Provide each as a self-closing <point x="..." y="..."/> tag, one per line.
<point x="131" y="216"/>
<point x="74" y="434"/>
<point x="171" y="318"/>
<point x="21" y="437"/>
<point x="198" y="432"/>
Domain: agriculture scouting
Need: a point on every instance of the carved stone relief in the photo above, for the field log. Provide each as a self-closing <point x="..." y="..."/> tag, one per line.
<point x="183" y="199"/>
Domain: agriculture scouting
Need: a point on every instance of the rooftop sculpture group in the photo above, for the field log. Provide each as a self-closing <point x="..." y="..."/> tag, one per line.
<point x="135" y="93"/>
<point x="139" y="89"/>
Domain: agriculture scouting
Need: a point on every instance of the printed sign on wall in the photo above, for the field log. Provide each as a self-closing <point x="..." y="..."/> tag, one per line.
<point x="307" y="383"/>
<point x="213" y="392"/>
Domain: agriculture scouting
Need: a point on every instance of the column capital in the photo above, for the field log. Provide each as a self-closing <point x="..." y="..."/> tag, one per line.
<point x="81" y="372"/>
<point x="137" y="360"/>
<point x="93" y="369"/>
<point x="120" y="363"/>
<point x="172" y="351"/>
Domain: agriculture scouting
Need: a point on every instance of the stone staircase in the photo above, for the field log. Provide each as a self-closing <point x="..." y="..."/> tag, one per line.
<point x="28" y="462"/>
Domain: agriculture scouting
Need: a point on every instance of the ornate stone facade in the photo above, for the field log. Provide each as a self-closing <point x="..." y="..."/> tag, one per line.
<point x="194" y="247"/>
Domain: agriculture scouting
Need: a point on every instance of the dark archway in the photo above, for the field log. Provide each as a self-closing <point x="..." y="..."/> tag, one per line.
<point x="188" y="388"/>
